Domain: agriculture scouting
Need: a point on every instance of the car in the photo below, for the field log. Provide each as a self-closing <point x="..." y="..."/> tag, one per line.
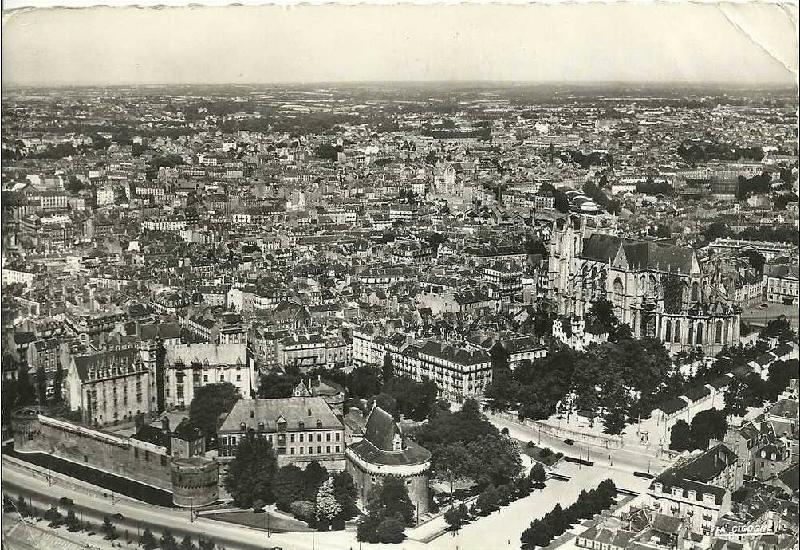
<point x="569" y="441"/>
<point x="764" y="306"/>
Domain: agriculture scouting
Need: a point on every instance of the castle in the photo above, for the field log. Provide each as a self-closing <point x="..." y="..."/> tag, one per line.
<point x="658" y="289"/>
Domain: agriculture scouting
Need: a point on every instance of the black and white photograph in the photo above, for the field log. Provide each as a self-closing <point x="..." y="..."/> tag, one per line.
<point x="412" y="276"/>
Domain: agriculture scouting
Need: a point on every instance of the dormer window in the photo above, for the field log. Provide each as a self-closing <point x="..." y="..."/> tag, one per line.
<point x="319" y="423"/>
<point x="252" y="414"/>
<point x="301" y="424"/>
<point x="397" y="443"/>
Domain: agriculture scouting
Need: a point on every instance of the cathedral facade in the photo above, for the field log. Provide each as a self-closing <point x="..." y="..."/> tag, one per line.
<point x="658" y="289"/>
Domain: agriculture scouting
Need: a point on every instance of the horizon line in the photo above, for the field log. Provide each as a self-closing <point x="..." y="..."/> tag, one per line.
<point x="730" y="83"/>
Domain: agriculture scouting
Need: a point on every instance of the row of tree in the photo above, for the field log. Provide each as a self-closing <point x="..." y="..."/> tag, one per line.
<point x="492" y="498"/>
<point x="558" y="520"/>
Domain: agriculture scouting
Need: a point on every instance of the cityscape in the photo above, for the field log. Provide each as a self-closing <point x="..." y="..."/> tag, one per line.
<point x="428" y="315"/>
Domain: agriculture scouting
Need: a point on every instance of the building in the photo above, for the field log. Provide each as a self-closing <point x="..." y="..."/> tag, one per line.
<point x="301" y="429"/>
<point x="781" y="283"/>
<point x="385" y="451"/>
<point x="458" y="372"/>
<point x="190" y="366"/>
<point x="658" y="289"/>
<point x="698" y="489"/>
<point x="109" y="386"/>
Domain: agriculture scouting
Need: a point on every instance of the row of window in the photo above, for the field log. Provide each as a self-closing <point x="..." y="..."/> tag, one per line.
<point x="299" y="450"/>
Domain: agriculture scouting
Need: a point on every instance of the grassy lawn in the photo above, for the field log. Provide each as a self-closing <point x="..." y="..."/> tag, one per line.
<point x="277" y="524"/>
<point x="546" y="457"/>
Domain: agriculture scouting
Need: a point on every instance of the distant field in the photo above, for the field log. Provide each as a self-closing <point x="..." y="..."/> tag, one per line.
<point x="277" y="524"/>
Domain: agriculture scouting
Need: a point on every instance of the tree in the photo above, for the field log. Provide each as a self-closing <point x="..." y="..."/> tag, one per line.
<point x="288" y="486"/>
<point x="488" y="501"/>
<point x="314" y="476"/>
<point x="778" y="377"/>
<point x="538" y="475"/>
<point x="537" y="534"/>
<point x="346" y="494"/>
<point x="388" y="369"/>
<point x="109" y="529"/>
<point x="367" y="530"/>
<point x="364" y="382"/>
<point x="206" y="544"/>
<point x="779" y="328"/>
<point x="452" y="463"/>
<point x="41" y="385"/>
<point x="72" y="521"/>
<point x="275" y="386"/>
<point x="707" y="425"/>
<point x="168" y="541"/>
<point x="251" y="472"/>
<point x="716" y="230"/>
<point x="187" y="544"/>
<point x="58" y="382"/>
<point x="327" y="506"/>
<point x="614" y="421"/>
<point x="210" y="402"/>
<point x="390" y="530"/>
<point x="601" y="315"/>
<point x="455" y="516"/>
<point x="680" y="436"/>
<point x="391" y="499"/>
<point x="147" y="540"/>
<point x="304" y="510"/>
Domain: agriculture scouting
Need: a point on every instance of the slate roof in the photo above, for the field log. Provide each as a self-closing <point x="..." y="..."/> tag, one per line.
<point x="456" y="355"/>
<point x="292" y="409"/>
<point x="381" y="429"/>
<point x="104" y="360"/>
<point x="649" y="255"/>
<point x="215" y="354"/>
<point x="600" y="247"/>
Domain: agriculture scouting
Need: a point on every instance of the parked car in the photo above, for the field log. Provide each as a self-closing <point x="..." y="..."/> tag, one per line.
<point x="569" y="441"/>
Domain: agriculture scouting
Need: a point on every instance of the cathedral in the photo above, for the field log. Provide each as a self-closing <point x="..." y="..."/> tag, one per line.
<point x="660" y="290"/>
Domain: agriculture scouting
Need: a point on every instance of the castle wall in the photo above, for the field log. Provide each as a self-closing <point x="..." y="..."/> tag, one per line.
<point x="120" y="456"/>
<point x="195" y="482"/>
<point x="365" y="481"/>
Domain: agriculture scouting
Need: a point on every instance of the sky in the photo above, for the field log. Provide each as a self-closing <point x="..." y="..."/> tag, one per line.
<point x="673" y="42"/>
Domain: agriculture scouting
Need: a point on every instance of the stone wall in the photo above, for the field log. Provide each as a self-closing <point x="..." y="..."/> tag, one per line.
<point x="142" y="462"/>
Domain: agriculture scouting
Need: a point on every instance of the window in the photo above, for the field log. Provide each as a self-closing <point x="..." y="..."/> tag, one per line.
<point x="301" y="437"/>
<point x="319" y="438"/>
<point x="337" y="436"/>
<point x="291" y="450"/>
<point x="302" y="449"/>
<point x="135" y="452"/>
<point x="328" y="436"/>
<point x="311" y="450"/>
<point x="319" y="449"/>
<point x="337" y="448"/>
<point x="163" y="460"/>
<point x="291" y="438"/>
<point x="328" y="449"/>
